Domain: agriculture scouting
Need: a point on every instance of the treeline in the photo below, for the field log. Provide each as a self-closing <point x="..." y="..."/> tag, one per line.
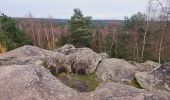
<point x="138" y="38"/>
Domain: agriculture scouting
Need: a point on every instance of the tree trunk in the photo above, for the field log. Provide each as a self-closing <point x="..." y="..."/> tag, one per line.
<point x="160" y="49"/>
<point x="144" y="40"/>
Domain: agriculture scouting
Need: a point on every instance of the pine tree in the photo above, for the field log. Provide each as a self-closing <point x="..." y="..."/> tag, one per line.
<point x="80" y="28"/>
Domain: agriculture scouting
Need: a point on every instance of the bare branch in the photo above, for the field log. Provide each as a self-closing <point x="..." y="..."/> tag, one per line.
<point x="162" y="7"/>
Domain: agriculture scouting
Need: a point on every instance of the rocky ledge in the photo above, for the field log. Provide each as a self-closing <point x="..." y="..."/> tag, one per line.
<point x="32" y="73"/>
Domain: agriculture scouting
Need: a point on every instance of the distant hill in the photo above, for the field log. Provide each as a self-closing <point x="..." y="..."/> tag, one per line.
<point x="65" y="21"/>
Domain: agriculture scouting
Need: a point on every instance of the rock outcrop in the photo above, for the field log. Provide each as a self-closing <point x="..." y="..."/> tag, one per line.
<point x="29" y="73"/>
<point x="157" y="79"/>
<point x="117" y="70"/>
<point x="32" y="82"/>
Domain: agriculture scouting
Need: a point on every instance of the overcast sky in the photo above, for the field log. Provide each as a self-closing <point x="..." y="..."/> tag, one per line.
<point x="98" y="9"/>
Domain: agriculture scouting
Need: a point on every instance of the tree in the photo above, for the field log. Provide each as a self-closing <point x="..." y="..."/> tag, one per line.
<point x="146" y="28"/>
<point x="80" y="29"/>
<point x="136" y="27"/>
<point x="10" y="36"/>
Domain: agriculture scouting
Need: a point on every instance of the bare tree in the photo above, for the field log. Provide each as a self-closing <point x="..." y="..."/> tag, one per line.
<point x="165" y="12"/>
<point x="146" y="28"/>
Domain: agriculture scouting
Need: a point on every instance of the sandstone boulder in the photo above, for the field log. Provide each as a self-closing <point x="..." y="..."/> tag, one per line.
<point x="83" y="60"/>
<point x="117" y="70"/>
<point x="33" y="55"/>
<point x="31" y="82"/>
<point x="157" y="79"/>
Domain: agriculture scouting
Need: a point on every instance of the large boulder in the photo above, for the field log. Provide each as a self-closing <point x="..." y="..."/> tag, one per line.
<point x="32" y="82"/>
<point x="117" y="70"/>
<point x="157" y="79"/>
<point x="33" y="55"/>
<point x="83" y="60"/>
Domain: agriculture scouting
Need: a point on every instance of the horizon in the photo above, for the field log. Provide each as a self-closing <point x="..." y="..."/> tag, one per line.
<point x="67" y="19"/>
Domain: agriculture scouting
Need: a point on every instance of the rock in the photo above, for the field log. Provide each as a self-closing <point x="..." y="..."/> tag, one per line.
<point x="116" y="91"/>
<point x="151" y="64"/>
<point x="33" y="55"/>
<point x="117" y="70"/>
<point x="83" y="60"/>
<point x="29" y="52"/>
<point x="104" y="55"/>
<point x="146" y="66"/>
<point x="66" y="49"/>
<point x="157" y="79"/>
<point x="28" y="73"/>
<point x="31" y="82"/>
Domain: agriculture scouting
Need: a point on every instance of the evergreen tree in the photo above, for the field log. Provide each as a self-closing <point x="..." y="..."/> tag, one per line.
<point x="80" y="28"/>
<point x="10" y="36"/>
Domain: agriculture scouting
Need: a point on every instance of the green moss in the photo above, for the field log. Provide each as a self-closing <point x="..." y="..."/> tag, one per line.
<point x="91" y="79"/>
<point x="72" y="80"/>
<point x="135" y="83"/>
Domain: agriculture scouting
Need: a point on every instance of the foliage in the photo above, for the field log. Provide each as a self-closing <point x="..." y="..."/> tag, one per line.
<point x="80" y="29"/>
<point x="2" y="49"/>
<point x="10" y="36"/>
<point x="133" y="30"/>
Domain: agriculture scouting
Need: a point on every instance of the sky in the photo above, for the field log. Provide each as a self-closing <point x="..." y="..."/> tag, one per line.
<point x="63" y="9"/>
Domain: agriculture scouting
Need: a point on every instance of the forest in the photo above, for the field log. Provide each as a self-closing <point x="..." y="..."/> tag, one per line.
<point x="140" y="37"/>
